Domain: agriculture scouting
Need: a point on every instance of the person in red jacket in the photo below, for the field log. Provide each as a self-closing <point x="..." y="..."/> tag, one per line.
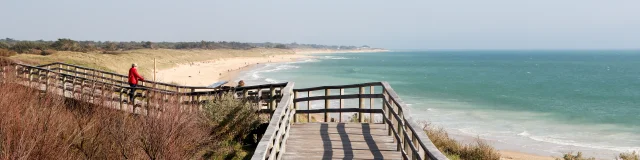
<point x="134" y="77"/>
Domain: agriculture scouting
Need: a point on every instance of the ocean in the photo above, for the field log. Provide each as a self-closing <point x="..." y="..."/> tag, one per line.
<point x="540" y="102"/>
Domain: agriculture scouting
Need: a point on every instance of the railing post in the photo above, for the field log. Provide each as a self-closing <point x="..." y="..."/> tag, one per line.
<point x="245" y="93"/>
<point x="39" y="72"/>
<point x="46" y="84"/>
<point x="93" y="92"/>
<point x="361" y="102"/>
<point x="326" y="105"/>
<point x="179" y="95"/>
<point x="82" y="89"/>
<point x="341" y="105"/>
<point x="308" y="108"/>
<point x="121" y="101"/>
<point x="4" y="74"/>
<point x="64" y="83"/>
<point x="384" y="106"/>
<point x="414" y="140"/>
<point x="371" y="88"/>
<point x="73" y="87"/>
<point x="272" y="102"/>
<point x="400" y="128"/>
<point x="192" y="98"/>
<point x="295" y="106"/>
<point x="30" y="76"/>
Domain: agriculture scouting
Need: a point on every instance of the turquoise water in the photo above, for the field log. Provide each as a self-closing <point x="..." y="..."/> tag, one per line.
<point x="544" y="102"/>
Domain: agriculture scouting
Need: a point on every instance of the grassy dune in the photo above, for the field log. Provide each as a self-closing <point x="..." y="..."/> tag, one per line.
<point x="166" y="58"/>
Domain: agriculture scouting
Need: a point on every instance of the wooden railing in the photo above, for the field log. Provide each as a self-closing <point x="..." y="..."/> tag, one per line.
<point x="273" y="142"/>
<point x="118" y="78"/>
<point x="410" y="137"/>
<point x="81" y="82"/>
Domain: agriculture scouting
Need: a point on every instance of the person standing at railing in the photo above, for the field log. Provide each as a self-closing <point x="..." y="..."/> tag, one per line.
<point x="134" y="77"/>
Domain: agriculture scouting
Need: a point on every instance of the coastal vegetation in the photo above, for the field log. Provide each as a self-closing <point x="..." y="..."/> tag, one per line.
<point x="455" y="150"/>
<point x="111" y="47"/>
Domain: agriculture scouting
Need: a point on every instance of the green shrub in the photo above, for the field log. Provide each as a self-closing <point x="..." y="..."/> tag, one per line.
<point x="456" y="150"/>
<point x="26" y="46"/>
<point x="47" y="52"/>
<point x="7" y="53"/>
<point x="231" y="121"/>
<point x="66" y="45"/>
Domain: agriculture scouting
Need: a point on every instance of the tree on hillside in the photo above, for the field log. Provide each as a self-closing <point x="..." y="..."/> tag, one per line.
<point x="147" y="44"/>
<point x="26" y="46"/>
<point x="281" y="46"/>
<point x="110" y="46"/>
<point x="64" y="44"/>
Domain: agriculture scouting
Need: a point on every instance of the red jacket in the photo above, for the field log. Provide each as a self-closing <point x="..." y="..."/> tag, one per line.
<point x="134" y="76"/>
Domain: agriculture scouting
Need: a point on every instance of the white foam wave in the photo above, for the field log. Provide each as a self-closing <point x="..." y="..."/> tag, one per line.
<point x="550" y="139"/>
<point x="271" y="80"/>
<point x="335" y="57"/>
<point x="524" y="133"/>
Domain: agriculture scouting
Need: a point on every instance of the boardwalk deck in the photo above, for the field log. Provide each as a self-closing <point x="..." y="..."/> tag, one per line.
<point x="340" y="141"/>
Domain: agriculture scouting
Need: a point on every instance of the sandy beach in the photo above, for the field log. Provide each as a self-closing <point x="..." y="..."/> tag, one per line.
<point x="224" y="69"/>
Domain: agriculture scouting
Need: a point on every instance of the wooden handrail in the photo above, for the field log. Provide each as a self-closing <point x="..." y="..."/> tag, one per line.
<point x="338" y="87"/>
<point x="273" y="142"/>
<point x="120" y="75"/>
<point x="184" y="95"/>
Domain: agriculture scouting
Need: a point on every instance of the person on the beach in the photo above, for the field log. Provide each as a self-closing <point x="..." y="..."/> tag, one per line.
<point x="241" y="83"/>
<point x="134" y="77"/>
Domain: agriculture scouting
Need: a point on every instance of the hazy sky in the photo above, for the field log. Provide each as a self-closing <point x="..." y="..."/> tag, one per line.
<point x="420" y="24"/>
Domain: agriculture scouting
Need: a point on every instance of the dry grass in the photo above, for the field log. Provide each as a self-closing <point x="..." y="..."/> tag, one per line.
<point x="629" y="156"/>
<point x="455" y="150"/>
<point x="166" y="58"/>
<point x="578" y="156"/>
<point x="7" y="53"/>
<point x="36" y="125"/>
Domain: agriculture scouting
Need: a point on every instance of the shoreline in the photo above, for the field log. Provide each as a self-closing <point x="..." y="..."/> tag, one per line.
<point x="205" y="73"/>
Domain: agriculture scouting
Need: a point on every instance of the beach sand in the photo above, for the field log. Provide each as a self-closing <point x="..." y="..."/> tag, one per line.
<point x="224" y="69"/>
<point x="513" y="155"/>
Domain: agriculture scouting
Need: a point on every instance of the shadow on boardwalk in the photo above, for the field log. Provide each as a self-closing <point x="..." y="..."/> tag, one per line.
<point x="340" y="141"/>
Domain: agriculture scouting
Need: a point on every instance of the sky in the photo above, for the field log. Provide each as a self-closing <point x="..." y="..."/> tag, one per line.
<point x="403" y="24"/>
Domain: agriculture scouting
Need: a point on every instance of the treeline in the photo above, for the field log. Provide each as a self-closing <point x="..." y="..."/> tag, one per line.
<point x="10" y="46"/>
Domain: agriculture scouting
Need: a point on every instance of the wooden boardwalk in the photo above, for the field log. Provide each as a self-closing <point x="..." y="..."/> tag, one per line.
<point x="340" y="141"/>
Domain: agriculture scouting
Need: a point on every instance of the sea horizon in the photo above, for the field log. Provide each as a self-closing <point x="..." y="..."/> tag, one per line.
<point x="544" y="102"/>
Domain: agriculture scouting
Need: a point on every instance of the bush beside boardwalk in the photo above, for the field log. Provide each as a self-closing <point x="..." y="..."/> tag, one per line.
<point x="34" y="125"/>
